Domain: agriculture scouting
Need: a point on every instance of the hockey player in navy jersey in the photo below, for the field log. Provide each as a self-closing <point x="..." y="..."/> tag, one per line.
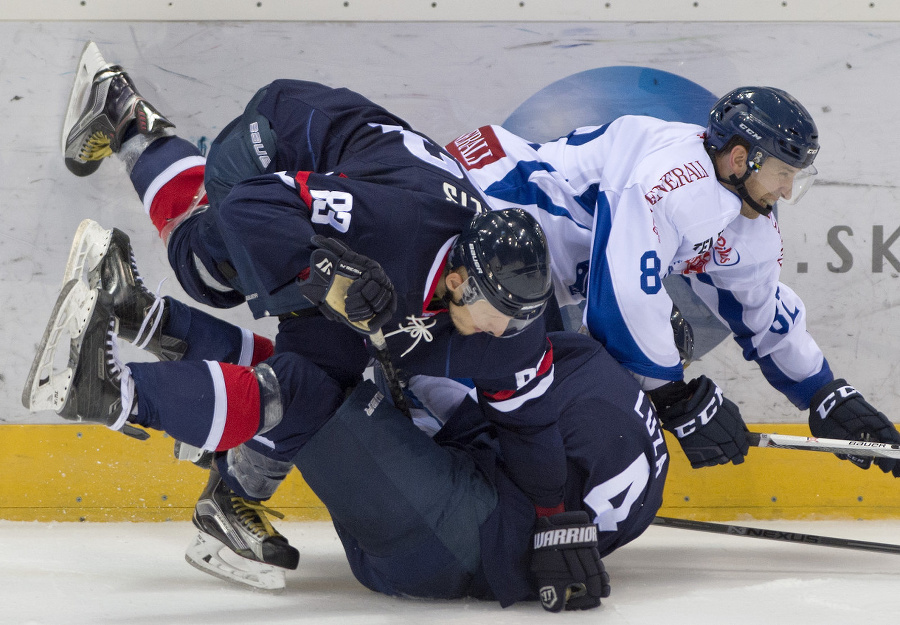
<point x="630" y="202"/>
<point x="443" y="517"/>
<point x="438" y="505"/>
<point x="310" y="183"/>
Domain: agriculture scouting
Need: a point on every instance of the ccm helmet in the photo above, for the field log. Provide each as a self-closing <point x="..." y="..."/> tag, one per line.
<point x="506" y="256"/>
<point x="773" y="123"/>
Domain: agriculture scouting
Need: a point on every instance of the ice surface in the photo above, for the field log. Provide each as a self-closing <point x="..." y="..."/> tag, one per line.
<point x="117" y="573"/>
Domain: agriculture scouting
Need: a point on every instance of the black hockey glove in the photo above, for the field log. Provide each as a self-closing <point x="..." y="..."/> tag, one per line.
<point x="837" y="410"/>
<point x="566" y="563"/>
<point x="708" y="426"/>
<point x="348" y="287"/>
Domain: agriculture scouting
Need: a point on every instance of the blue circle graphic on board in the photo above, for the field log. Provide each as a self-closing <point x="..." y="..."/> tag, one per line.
<point x="597" y="96"/>
<point x="600" y="95"/>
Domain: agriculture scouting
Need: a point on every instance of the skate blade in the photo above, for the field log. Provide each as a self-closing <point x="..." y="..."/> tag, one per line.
<point x="89" y="64"/>
<point x="90" y="244"/>
<point x="46" y="389"/>
<point x="211" y="556"/>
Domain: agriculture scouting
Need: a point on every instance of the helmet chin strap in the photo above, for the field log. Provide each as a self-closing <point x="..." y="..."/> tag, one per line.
<point x="448" y="302"/>
<point x="740" y="187"/>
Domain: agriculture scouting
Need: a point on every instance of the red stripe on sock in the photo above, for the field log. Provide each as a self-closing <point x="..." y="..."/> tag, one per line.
<point x="262" y="348"/>
<point x="176" y="197"/>
<point x="242" y="418"/>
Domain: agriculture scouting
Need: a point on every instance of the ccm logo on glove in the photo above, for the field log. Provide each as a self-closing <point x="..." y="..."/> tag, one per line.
<point x="569" y="536"/>
<point x="704" y="416"/>
<point x="832" y="399"/>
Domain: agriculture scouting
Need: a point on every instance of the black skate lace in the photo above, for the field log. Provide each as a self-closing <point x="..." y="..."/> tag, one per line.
<point x="134" y="270"/>
<point x="114" y="364"/>
<point x="252" y="515"/>
<point x="96" y="147"/>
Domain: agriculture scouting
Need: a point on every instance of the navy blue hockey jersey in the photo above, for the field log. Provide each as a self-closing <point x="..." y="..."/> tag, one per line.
<point x="358" y="174"/>
<point x="616" y="453"/>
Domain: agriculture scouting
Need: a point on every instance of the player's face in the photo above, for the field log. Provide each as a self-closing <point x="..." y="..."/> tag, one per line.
<point x="772" y="182"/>
<point x="471" y="313"/>
<point x="777" y="181"/>
<point x="479" y="316"/>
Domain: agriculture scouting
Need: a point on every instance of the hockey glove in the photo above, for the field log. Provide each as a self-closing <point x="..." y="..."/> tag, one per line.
<point x="837" y="410"/>
<point x="708" y="426"/>
<point x="348" y="287"/>
<point x="566" y="563"/>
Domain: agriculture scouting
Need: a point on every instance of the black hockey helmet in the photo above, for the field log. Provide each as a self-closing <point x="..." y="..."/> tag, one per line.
<point x="506" y="256"/>
<point x="773" y="123"/>
<point x="768" y="119"/>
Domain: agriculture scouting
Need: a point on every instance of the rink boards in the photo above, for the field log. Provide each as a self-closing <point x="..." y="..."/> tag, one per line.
<point x="89" y="473"/>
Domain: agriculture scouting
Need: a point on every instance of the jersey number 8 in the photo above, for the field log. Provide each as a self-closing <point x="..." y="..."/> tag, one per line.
<point x="332" y="208"/>
<point x="650" y="266"/>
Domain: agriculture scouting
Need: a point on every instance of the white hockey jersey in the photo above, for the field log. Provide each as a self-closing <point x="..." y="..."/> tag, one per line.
<point x="624" y="205"/>
<point x="739" y="281"/>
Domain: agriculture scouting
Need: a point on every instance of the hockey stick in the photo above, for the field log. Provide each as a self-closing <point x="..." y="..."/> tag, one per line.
<point x="831" y="445"/>
<point x="790" y="537"/>
<point x="390" y="373"/>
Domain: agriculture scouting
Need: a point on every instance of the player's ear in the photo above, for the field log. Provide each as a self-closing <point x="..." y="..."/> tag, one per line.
<point x="737" y="160"/>
<point x="453" y="280"/>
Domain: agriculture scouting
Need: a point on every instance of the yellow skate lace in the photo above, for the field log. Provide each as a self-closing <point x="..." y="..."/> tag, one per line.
<point x="252" y="515"/>
<point x="96" y="147"/>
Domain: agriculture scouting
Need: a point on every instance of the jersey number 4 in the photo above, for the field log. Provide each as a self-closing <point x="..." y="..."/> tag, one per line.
<point x="630" y="482"/>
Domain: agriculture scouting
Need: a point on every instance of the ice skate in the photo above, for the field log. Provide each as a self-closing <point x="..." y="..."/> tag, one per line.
<point x="236" y="541"/>
<point x="104" y="259"/>
<point x="103" y="102"/>
<point x="94" y="386"/>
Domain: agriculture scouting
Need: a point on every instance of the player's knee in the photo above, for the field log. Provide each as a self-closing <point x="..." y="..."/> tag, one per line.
<point x="305" y="387"/>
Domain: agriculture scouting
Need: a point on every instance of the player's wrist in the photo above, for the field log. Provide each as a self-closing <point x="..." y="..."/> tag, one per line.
<point x="543" y="511"/>
<point x="668" y="395"/>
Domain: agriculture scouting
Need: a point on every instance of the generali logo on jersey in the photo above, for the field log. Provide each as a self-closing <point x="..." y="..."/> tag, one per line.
<point x="477" y="148"/>
<point x="675" y="178"/>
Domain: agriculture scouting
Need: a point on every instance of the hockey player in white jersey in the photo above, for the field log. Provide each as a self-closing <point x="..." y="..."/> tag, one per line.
<point x="630" y="202"/>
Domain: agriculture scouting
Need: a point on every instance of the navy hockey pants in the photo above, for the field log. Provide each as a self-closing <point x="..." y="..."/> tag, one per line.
<point x="407" y="510"/>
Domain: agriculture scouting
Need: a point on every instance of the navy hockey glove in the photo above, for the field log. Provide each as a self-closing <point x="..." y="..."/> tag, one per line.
<point x="708" y="426"/>
<point x="837" y="410"/>
<point x="348" y="287"/>
<point x="566" y="563"/>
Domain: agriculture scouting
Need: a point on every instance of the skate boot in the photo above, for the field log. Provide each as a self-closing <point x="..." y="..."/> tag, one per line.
<point x="95" y="386"/>
<point x="103" y="102"/>
<point x="107" y="259"/>
<point x="236" y="541"/>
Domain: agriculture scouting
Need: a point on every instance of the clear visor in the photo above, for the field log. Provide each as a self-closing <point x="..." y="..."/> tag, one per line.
<point x="781" y="182"/>
<point x="488" y="319"/>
